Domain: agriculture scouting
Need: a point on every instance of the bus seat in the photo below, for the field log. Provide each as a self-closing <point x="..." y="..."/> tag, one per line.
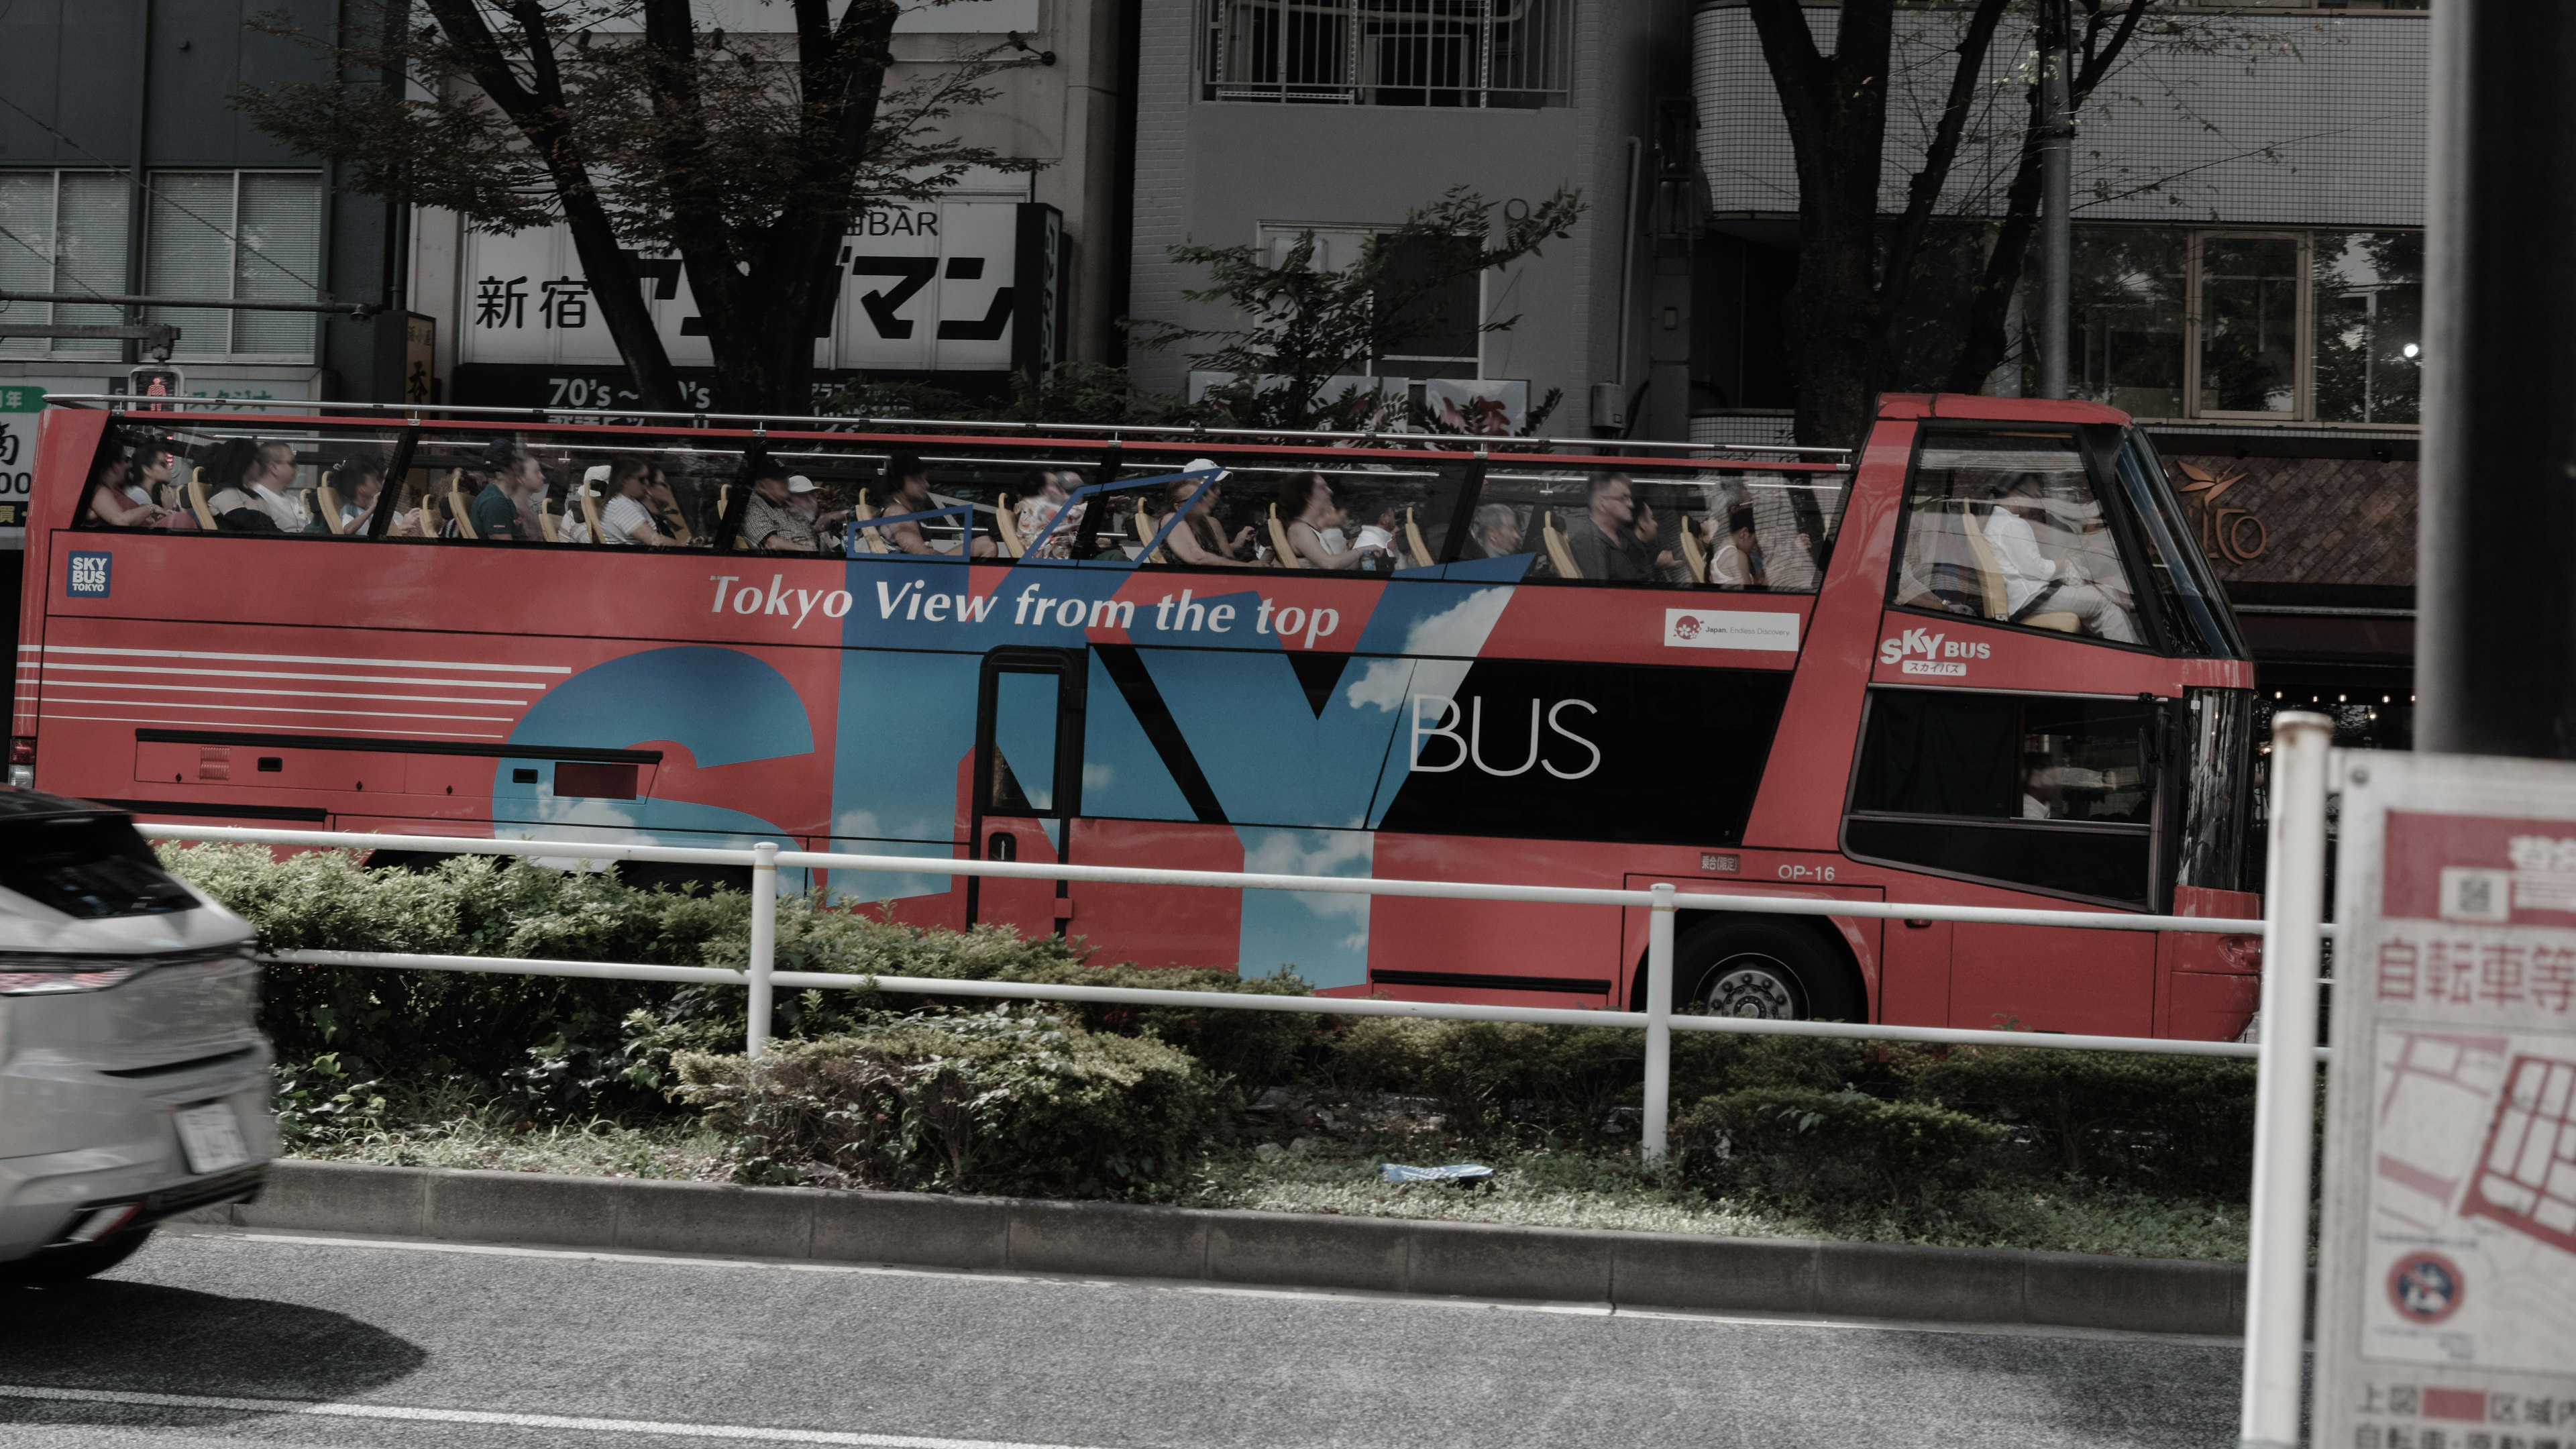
<point x="197" y="499"/>
<point x="2061" y="621"/>
<point x="1557" y="553"/>
<point x="329" y="500"/>
<point x="459" y="511"/>
<point x="1958" y="566"/>
<point x="428" y="515"/>
<point x="1147" y="525"/>
<point x="549" y="521"/>
<point x="1691" y="554"/>
<point x="590" y="516"/>
<point x="1006" y="529"/>
<point x="1413" y="541"/>
<point x="872" y="538"/>
<point x="1279" y="542"/>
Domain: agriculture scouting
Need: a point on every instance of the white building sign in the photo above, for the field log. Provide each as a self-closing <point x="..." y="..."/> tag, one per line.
<point x="925" y="287"/>
<point x="2447" y="1279"/>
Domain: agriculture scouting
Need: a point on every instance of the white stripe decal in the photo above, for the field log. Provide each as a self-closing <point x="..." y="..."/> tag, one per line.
<point x="285" y="693"/>
<point x="57" y="666"/>
<point x="285" y="709"/>
<point x="303" y="659"/>
<point x="431" y="734"/>
<point x="343" y="1409"/>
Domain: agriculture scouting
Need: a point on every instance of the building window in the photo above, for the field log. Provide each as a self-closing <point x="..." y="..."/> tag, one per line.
<point x="62" y="231"/>
<point x="236" y="236"/>
<point x="1449" y="342"/>
<point x="1510" y="53"/>
<point x="2283" y="326"/>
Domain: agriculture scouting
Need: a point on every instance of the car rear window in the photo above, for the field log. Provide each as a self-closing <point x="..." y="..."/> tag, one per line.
<point x="90" y="866"/>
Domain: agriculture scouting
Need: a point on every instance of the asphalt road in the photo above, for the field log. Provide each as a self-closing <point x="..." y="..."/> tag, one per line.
<point x="216" y="1338"/>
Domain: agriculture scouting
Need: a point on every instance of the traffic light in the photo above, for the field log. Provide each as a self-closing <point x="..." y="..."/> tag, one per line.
<point x="157" y="380"/>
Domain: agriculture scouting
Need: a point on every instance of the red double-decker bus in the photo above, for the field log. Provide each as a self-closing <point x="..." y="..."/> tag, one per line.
<point x="1982" y="662"/>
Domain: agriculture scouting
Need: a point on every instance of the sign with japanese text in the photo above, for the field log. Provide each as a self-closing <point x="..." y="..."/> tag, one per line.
<point x="925" y="287"/>
<point x="2446" y="1306"/>
<point x="20" y="406"/>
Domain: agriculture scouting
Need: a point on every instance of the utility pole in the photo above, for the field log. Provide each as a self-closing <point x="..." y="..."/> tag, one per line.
<point x="2057" y="193"/>
<point x="2495" y="630"/>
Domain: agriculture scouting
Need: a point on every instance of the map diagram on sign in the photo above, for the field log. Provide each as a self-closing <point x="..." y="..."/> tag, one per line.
<point x="2473" y="1197"/>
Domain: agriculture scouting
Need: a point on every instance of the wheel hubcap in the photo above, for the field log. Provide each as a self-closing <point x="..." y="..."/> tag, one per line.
<point x="1753" y="986"/>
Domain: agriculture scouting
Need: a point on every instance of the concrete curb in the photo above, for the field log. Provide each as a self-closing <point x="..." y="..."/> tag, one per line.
<point x="1661" y="1270"/>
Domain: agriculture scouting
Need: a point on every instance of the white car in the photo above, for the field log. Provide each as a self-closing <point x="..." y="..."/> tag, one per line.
<point x="133" y="1082"/>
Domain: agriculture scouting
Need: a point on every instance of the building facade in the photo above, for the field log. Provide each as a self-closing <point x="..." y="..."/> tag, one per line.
<point x="938" y="291"/>
<point x="124" y="169"/>
<point x="2247" y="280"/>
<point x="1262" y="119"/>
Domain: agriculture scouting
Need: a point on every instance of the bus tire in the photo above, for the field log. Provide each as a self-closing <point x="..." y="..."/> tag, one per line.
<point x="1768" y="969"/>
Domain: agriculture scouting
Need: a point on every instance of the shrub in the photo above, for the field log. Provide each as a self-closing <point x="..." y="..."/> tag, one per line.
<point x="1001" y="1101"/>
<point x="1810" y="1146"/>
<point x="1244" y="1047"/>
<point x="2181" y="1122"/>
<point x="1477" y="1072"/>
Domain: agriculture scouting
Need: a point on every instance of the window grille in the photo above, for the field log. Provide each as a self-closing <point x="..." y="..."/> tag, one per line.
<point x="1510" y="53"/>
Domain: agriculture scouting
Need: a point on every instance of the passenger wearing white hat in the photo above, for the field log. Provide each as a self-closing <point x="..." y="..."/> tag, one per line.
<point x="575" y="527"/>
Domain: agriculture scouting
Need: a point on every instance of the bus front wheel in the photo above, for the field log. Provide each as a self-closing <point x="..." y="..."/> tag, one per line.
<point x="1768" y="970"/>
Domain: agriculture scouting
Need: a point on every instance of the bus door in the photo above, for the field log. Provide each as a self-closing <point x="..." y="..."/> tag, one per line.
<point x="1028" y="769"/>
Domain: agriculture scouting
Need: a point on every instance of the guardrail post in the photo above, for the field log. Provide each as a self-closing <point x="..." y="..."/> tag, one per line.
<point x="764" y="943"/>
<point x="2276" y="1273"/>
<point x="1659" y="1021"/>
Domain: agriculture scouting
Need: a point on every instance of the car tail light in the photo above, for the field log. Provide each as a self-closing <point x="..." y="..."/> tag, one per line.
<point x="57" y="975"/>
<point x="22" y="762"/>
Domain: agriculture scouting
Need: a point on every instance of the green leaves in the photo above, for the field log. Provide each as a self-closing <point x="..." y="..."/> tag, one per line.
<point x="1299" y="330"/>
<point x="1003" y="1101"/>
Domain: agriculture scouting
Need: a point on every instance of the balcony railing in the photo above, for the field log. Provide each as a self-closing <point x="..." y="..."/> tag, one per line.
<point x="1456" y="53"/>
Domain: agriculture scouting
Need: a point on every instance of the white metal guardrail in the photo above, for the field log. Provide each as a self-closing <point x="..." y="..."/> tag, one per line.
<point x="762" y="979"/>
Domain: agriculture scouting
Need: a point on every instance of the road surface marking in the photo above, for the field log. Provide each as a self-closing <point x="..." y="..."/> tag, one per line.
<point x="337" y="1409"/>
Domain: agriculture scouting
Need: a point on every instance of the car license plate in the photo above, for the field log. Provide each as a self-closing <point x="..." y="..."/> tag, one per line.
<point x="211" y="1137"/>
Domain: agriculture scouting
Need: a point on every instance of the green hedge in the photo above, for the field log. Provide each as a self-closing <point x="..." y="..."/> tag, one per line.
<point x="1005" y="1101"/>
<point x="1784" y="1117"/>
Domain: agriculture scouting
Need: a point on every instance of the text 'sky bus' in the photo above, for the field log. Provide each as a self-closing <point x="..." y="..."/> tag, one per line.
<point x="1983" y="663"/>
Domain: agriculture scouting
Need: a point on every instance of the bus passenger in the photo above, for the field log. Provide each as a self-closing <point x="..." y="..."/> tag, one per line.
<point x="156" y="467"/>
<point x="255" y="499"/>
<point x="1737" y="562"/>
<point x="627" y="519"/>
<point x="511" y="479"/>
<point x="1494" y="532"/>
<point x="1043" y="493"/>
<point x="770" y="522"/>
<point x="114" y="499"/>
<point x="360" y="482"/>
<point x="1313" y="515"/>
<point x="2035" y="583"/>
<point x="1615" y="537"/>
<point x="907" y="490"/>
<point x="1198" y="538"/>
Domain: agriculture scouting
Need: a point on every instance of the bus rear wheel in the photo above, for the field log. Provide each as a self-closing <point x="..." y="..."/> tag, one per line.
<point x="1765" y="970"/>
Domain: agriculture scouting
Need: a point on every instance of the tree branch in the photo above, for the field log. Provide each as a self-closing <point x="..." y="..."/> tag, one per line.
<point x="1924" y="193"/>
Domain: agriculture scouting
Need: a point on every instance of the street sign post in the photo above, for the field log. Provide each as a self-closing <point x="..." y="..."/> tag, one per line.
<point x="2446" y="1297"/>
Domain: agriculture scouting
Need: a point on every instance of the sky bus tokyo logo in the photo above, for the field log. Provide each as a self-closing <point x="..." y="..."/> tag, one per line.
<point x="1941" y="653"/>
<point x="87" y="575"/>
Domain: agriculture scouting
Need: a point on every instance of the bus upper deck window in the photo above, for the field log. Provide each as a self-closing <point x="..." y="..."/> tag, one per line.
<point x="1766" y="530"/>
<point x="2004" y="525"/>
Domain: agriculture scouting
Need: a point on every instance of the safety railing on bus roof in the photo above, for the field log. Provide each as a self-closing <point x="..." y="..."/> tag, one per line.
<point x="761" y="978"/>
<point x="1106" y="432"/>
